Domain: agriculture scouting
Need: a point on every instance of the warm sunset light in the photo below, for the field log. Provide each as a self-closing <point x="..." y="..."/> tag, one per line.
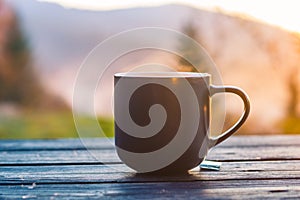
<point x="280" y="13"/>
<point x="149" y="99"/>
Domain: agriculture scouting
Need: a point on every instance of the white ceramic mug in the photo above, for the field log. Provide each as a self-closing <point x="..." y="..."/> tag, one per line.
<point x="162" y="119"/>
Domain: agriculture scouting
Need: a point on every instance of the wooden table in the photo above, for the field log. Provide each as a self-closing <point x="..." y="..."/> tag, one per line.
<point x="252" y="167"/>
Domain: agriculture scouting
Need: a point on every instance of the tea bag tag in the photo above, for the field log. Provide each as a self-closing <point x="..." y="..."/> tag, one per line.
<point x="210" y="165"/>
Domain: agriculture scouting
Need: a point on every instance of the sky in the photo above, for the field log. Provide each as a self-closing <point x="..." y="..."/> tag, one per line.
<point x="283" y="13"/>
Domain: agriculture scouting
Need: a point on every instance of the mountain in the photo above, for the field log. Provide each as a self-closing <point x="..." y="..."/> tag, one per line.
<point x="258" y="57"/>
<point x="69" y="33"/>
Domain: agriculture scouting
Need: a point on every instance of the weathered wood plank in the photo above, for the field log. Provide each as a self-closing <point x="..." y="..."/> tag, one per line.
<point x="57" y="157"/>
<point x="120" y="173"/>
<point x="262" y="141"/>
<point x="264" y="189"/>
<point x="109" y="155"/>
<point x="100" y="143"/>
<point x="255" y="153"/>
<point x="253" y="167"/>
<point x="56" y="144"/>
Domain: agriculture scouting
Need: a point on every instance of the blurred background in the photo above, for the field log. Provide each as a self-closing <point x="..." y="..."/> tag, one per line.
<point x="255" y="44"/>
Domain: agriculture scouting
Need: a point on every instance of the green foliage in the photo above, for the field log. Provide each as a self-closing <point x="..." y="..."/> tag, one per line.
<point x="18" y="83"/>
<point x="291" y="122"/>
<point x="293" y="92"/>
<point x="50" y="125"/>
<point x="191" y="57"/>
<point x="290" y="125"/>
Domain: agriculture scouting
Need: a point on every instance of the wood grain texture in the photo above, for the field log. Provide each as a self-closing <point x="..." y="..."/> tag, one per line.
<point x="120" y="173"/>
<point x="100" y="143"/>
<point x="265" y="189"/>
<point x="255" y="167"/>
<point x="96" y="156"/>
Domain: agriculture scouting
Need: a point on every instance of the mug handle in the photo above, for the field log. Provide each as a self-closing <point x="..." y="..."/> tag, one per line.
<point x="218" y="89"/>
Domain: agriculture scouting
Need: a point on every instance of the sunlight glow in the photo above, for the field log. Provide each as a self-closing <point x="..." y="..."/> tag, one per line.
<point x="283" y="13"/>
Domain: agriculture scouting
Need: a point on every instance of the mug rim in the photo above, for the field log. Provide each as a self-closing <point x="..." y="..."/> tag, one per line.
<point x="160" y="74"/>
